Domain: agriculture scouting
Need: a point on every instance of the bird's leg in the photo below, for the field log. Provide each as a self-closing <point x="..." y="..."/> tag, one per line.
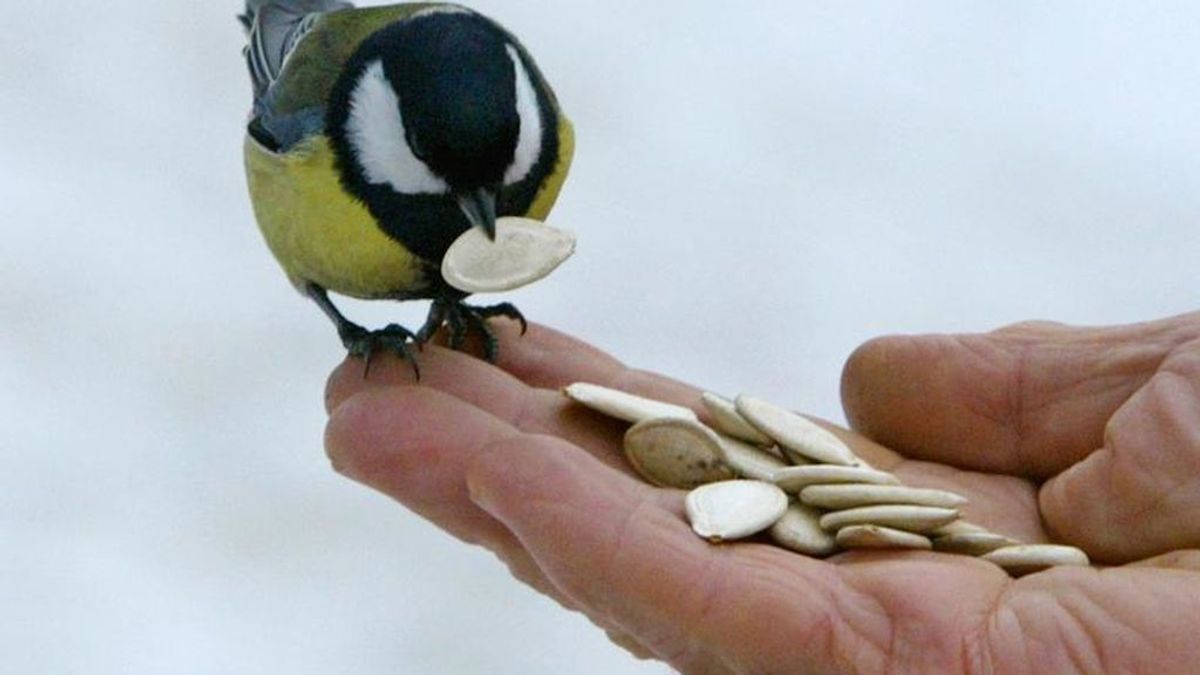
<point x="478" y="317"/>
<point x="461" y="318"/>
<point x="437" y="316"/>
<point x="458" y="327"/>
<point x="364" y="343"/>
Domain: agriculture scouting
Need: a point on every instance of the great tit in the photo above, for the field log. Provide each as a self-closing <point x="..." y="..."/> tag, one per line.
<point x="379" y="135"/>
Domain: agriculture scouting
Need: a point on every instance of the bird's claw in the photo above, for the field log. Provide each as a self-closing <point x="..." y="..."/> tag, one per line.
<point x="461" y="318"/>
<point x="395" y="338"/>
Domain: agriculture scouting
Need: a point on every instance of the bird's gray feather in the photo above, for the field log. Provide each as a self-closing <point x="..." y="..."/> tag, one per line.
<point x="273" y="28"/>
<point x="283" y="131"/>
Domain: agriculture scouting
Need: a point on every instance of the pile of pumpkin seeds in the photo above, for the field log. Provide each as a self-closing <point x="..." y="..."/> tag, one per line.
<point x="762" y="468"/>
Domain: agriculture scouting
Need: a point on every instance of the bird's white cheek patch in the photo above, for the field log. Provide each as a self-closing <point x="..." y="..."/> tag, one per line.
<point x="529" y="142"/>
<point x="375" y="130"/>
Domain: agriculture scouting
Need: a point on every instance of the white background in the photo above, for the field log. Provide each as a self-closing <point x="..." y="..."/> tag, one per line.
<point x="757" y="190"/>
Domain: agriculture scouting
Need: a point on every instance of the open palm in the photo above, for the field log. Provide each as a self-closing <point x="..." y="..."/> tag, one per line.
<point x="1089" y="435"/>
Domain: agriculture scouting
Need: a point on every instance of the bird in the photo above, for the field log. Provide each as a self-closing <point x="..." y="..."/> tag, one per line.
<point x="379" y="135"/>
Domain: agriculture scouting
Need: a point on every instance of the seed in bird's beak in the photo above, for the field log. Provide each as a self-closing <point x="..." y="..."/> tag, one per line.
<point x="522" y="252"/>
<point x="479" y="206"/>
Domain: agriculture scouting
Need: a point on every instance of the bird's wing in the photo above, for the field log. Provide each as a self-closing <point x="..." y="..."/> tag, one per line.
<point x="273" y="29"/>
<point x="302" y="72"/>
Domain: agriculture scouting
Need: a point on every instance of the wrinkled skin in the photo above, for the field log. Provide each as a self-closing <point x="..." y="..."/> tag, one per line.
<point x="1086" y="436"/>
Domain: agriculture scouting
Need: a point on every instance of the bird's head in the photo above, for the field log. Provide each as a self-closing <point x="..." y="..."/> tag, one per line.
<point x="441" y="105"/>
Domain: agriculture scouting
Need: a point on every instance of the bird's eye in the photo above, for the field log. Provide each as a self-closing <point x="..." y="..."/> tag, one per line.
<point x="375" y="130"/>
<point x="415" y="146"/>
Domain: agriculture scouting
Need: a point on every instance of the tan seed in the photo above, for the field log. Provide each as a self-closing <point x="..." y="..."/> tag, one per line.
<point x="850" y="495"/>
<point x="920" y="519"/>
<point x="800" y="530"/>
<point x="972" y="543"/>
<point x="877" y="536"/>
<point x="727" y="420"/>
<point x="748" y="460"/>
<point x="623" y="405"/>
<point x="796" y="478"/>
<point x="1029" y="558"/>
<point x="795" y="434"/>
<point x="675" y="452"/>
<point x="958" y="527"/>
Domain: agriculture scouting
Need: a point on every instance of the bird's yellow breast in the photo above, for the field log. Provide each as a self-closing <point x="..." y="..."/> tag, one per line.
<point x="317" y="231"/>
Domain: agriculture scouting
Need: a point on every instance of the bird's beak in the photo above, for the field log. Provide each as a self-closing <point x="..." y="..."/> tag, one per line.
<point x="479" y="205"/>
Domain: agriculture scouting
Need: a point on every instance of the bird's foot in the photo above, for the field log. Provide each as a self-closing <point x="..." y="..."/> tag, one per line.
<point x="365" y="343"/>
<point x="462" y="318"/>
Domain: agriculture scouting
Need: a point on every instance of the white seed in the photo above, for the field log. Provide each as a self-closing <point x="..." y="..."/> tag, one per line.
<point x="972" y="543"/>
<point x="734" y="509"/>
<point x="877" y="536"/>
<point x="727" y="420"/>
<point x="747" y="460"/>
<point x="623" y="405"/>
<point x="524" y="251"/>
<point x="796" y="478"/>
<point x="796" y="458"/>
<point x="800" y="530"/>
<point x="850" y="495"/>
<point x="1028" y="558"/>
<point x="675" y="452"/>
<point x="794" y="433"/>
<point x="919" y="519"/>
<point x="958" y="527"/>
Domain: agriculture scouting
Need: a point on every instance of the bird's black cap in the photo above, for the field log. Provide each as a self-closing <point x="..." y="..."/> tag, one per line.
<point x="454" y="77"/>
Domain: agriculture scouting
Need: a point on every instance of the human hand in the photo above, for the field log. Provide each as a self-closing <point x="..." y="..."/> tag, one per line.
<point x="1105" y="420"/>
<point x="498" y="457"/>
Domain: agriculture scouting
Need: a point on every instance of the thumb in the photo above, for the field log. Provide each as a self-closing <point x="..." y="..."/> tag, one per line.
<point x="1110" y="415"/>
<point x="1030" y="399"/>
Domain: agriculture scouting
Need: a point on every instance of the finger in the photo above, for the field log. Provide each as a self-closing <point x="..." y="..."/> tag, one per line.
<point x="1030" y="400"/>
<point x="1139" y="495"/>
<point x="456" y="373"/>
<point x="629" y="643"/>
<point x="1188" y="560"/>
<point x="353" y="376"/>
<point x="488" y="388"/>
<point x="411" y="444"/>
<point x="1120" y="620"/>
<point x="546" y="358"/>
<point x="541" y="358"/>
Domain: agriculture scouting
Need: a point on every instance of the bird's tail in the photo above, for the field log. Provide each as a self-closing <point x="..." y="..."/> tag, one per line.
<point x="273" y="27"/>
